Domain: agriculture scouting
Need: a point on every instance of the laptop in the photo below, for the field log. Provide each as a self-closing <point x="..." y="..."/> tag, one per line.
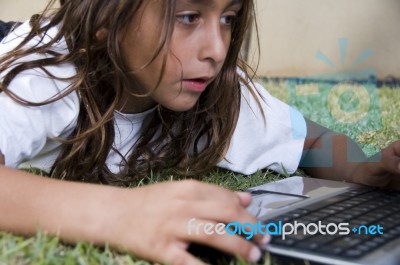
<point x="329" y="222"/>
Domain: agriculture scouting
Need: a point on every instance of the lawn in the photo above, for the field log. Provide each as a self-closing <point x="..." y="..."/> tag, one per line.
<point x="373" y="131"/>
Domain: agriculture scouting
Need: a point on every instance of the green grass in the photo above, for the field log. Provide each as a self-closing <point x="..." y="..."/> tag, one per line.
<point x="376" y="135"/>
<point x="42" y="249"/>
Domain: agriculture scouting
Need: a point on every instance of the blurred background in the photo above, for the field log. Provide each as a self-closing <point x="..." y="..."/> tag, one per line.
<point x="300" y="38"/>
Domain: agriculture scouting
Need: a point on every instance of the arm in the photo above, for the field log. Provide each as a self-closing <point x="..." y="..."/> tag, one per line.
<point x="151" y="222"/>
<point x="335" y="156"/>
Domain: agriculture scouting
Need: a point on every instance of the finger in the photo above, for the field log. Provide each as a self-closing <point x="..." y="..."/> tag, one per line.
<point x="229" y="243"/>
<point x="395" y="147"/>
<point x="225" y="213"/>
<point x="245" y="198"/>
<point x="390" y="157"/>
<point x="179" y="256"/>
<point x="392" y="164"/>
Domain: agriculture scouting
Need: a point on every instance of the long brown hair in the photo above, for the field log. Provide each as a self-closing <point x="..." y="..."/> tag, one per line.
<point x="192" y="141"/>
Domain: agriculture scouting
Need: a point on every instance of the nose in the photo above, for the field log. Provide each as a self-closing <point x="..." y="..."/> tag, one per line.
<point x="214" y="43"/>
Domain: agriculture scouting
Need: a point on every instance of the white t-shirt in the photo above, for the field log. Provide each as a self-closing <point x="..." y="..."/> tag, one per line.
<point x="27" y="133"/>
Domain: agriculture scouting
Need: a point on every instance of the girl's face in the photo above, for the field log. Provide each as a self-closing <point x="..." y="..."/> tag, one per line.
<point x="199" y="45"/>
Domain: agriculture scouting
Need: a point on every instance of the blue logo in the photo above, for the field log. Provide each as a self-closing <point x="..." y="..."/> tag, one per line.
<point x="368" y="230"/>
<point x="346" y="101"/>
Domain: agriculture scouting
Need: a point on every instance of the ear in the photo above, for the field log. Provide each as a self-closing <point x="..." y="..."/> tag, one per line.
<point x="101" y="34"/>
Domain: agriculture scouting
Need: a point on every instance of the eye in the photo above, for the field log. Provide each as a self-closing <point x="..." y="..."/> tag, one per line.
<point x="187" y="19"/>
<point x="228" y="20"/>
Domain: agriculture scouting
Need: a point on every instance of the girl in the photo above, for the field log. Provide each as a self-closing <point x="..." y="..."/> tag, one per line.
<point x="104" y="92"/>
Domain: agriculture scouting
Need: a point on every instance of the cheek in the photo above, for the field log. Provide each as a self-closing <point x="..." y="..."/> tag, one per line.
<point x="137" y="56"/>
<point x="162" y="81"/>
<point x="142" y="37"/>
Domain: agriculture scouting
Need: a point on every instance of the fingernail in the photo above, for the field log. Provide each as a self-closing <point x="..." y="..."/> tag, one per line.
<point x="243" y="194"/>
<point x="244" y="197"/>
<point x="266" y="239"/>
<point x="255" y="254"/>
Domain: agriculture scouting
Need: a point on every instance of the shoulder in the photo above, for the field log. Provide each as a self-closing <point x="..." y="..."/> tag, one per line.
<point x="257" y="100"/>
<point x="37" y="84"/>
<point x="17" y="35"/>
<point x="26" y="129"/>
<point x="253" y="92"/>
<point x="267" y="131"/>
<point x="270" y="111"/>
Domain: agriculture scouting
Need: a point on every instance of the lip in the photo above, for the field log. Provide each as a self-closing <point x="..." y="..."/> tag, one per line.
<point x="196" y="84"/>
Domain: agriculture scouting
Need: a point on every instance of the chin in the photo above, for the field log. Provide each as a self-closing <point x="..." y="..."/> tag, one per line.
<point x="180" y="107"/>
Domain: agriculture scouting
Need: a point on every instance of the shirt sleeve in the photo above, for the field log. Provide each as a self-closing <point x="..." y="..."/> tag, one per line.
<point x="268" y="137"/>
<point x="28" y="131"/>
<point x="25" y="131"/>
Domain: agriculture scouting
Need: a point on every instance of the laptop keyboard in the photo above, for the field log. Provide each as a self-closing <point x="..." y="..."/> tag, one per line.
<point x="364" y="206"/>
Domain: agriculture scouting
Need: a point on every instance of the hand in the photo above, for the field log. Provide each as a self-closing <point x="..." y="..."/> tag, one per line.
<point x="152" y="221"/>
<point x="383" y="171"/>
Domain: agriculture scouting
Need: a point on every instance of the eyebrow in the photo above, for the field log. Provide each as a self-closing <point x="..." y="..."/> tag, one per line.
<point x="212" y="2"/>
